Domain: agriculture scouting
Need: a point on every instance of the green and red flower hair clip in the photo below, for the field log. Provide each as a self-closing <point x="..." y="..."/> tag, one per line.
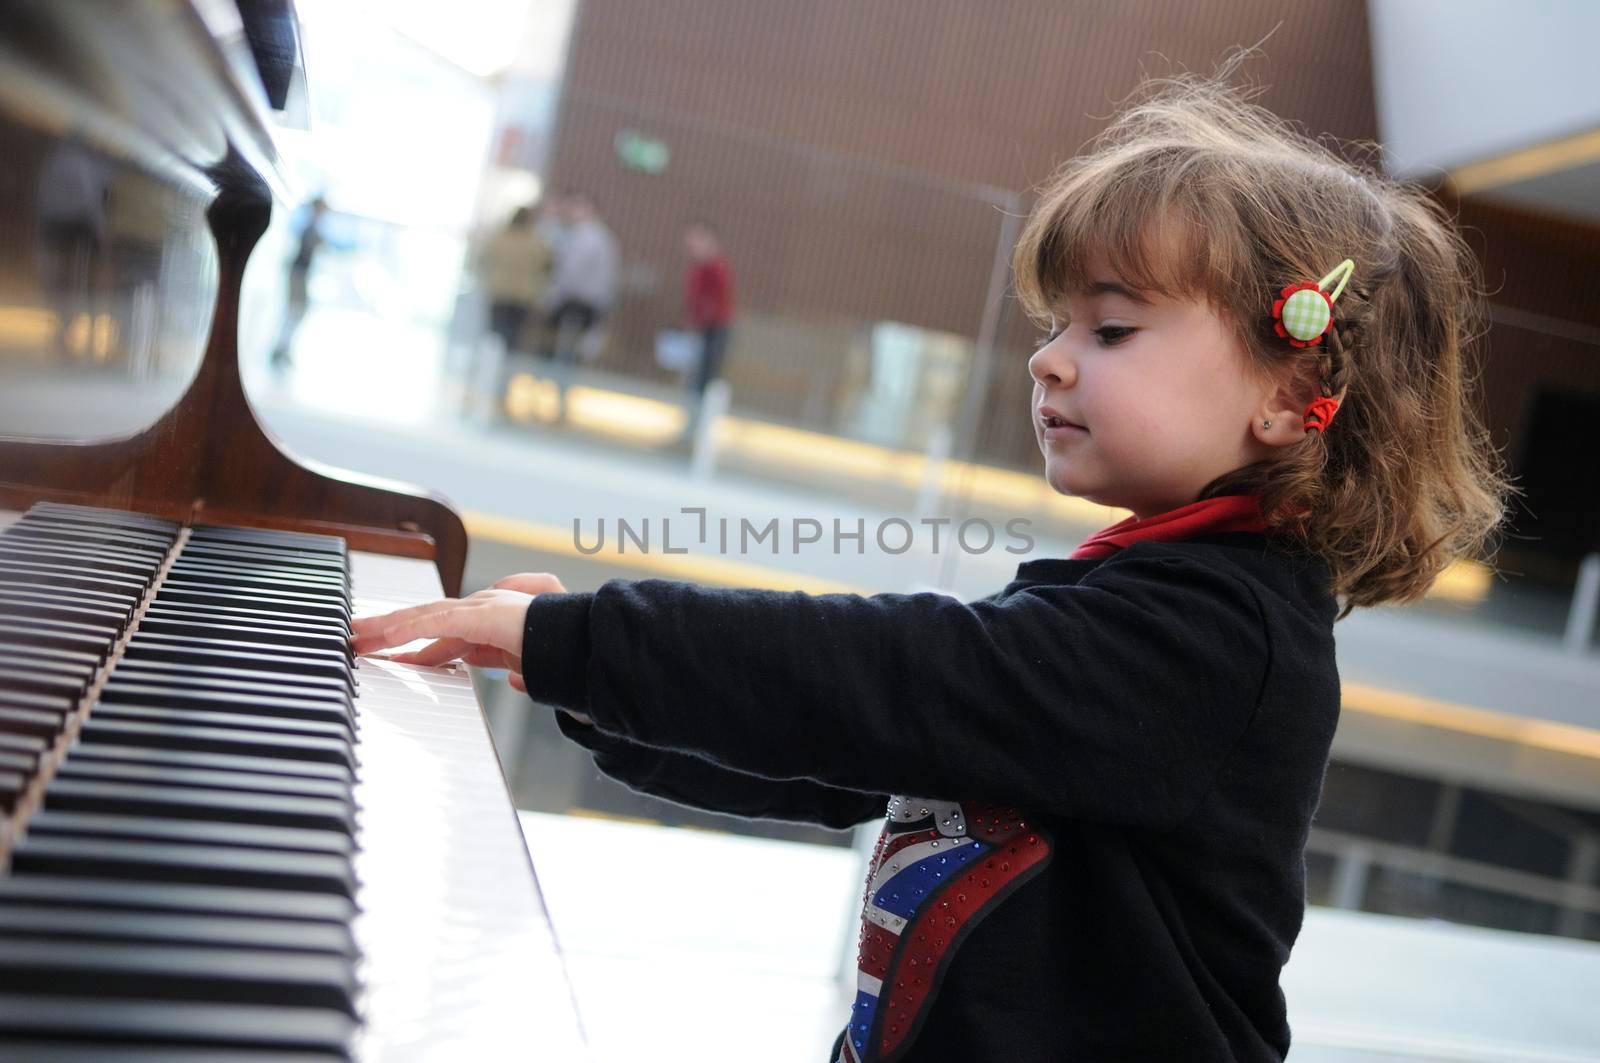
<point x="1303" y="311"/>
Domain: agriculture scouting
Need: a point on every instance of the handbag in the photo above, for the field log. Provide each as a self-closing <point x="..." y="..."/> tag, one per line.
<point x="677" y="350"/>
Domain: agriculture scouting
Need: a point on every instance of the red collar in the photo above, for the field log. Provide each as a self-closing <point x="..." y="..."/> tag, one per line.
<point x="1228" y="513"/>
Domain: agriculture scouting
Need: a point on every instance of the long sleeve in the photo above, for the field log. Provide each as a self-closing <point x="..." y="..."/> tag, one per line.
<point x="686" y="779"/>
<point x="1117" y="699"/>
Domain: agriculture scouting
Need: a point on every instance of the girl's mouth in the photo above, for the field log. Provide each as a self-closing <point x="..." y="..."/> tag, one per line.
<point x="1058" y="427"/>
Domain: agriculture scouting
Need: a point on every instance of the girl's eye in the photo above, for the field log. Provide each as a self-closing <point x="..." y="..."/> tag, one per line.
<point x="1111" y="335"/>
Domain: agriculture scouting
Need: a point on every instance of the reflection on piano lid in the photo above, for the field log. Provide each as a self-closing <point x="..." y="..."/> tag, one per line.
<point x="221" y="836"/>
<point x="226" y="834"/>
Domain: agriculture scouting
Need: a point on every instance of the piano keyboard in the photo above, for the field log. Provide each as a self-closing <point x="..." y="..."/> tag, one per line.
<point x="224" y="837"/>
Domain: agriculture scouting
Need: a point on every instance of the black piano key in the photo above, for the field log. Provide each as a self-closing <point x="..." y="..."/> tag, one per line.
<point x="81" y="892"/>
<point x="175" y="972"/>
<point x="241" y="580"/>
<point x="40" y="680"/>
<point x="195" y="864"/>
<point x="80" y="767"/>
<point x="99" y="544"/>
<point x="11" y="760"/>
<point x="12" y="785"/>
<point x="52" y="923"/>
<point x="59" y="606"/>
<point x="200" y="548"/>
<point x="64" y="661"/>
<point x="94" y="544"/>
<point x="70" y="576"/>
<point x="322" y="544"/>
<point x="56" y="522"/>
<point x="317" y="580"/>
<point x="219" y="762"/>
<point x="137" y="1031"/>
<point x="238" y="681"/>
<point x="297" y="655"/>
<point x="10" y="582"/>
<point x="217" y="740"/>
<point x="16" y="631"/>
<point x="13" y="635"/>
<point x="137" y="688"/>
<point x="121" y="518"/>
<point x="41" y="723"/>
<point x="87" y="560"/>
<point x="253" y="617"/>
<point x="65" y="522"/>
<point x="71" y="1049"/>
<point x="50" y="821"/>
<point x="184" y="628"/>
<point x="33" y="659"/>
<point x="263" y="564"/>
<point x="54" y="701"/>
<point x="179" y="590"/>
<point x="45" y="674"/>
<point x="230" y="719"/>
<point x="261" y="658"/>
<point x="186" y="802"/>
<point x="23" y="743"/>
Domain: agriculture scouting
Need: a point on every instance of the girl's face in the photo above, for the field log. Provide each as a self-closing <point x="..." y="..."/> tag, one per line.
<point x="1155" y="392"/>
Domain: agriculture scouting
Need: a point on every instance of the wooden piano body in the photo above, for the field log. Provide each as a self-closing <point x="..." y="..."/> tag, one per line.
<point x="453" y="956"/>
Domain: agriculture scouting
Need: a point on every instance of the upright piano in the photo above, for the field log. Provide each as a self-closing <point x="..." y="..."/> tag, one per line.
<point x="221" y="836"/>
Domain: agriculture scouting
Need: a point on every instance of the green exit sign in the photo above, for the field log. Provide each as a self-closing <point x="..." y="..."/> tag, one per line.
<point x="639" y="152"/>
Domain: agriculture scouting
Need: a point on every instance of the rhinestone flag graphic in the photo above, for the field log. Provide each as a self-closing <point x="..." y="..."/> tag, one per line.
<point x="938" y="869"/>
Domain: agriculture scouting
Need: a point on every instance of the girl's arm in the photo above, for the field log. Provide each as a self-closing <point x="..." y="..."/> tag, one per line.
<point x="1116" y="699"/>
<point x="686" y="779"/>
<point x="487" y="629"/>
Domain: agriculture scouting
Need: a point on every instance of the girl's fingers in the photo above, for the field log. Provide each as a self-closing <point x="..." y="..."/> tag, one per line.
<point x="435" y="653"/>
<point x="371" y="633"/>
<point x="488" y="618"/>
<point x="517" y="682"/>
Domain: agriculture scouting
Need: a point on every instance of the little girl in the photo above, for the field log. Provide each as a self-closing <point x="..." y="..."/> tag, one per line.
<point x="1104" y="773"/>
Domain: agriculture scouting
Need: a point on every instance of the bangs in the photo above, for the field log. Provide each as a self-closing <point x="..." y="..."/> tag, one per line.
<point x="1141" y="215"/>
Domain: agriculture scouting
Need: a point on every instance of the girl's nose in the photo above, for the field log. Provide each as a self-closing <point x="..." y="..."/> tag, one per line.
<point x="1052" y="367"/>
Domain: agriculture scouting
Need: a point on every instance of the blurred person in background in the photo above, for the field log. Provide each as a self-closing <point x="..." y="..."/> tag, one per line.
<point x="583" y="288"/>
<point x="74" y="194"/>
<point x="514" y="266"/>
<point x="550" y="219"/>
<point x="310" y="241"/>
<point x="708" y="310"/>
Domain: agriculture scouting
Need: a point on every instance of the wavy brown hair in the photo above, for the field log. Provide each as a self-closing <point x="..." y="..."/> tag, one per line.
<point x="1195" y="191"/>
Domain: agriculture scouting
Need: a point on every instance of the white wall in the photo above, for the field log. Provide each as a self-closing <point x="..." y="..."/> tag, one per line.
<point x="1462" y="80"/>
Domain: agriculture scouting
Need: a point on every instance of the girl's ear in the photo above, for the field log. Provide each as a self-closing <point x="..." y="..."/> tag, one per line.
<point x="1280" y="416"/>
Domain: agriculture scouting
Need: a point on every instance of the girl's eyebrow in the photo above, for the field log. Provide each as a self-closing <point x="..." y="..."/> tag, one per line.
<point x="1113" y="288"/>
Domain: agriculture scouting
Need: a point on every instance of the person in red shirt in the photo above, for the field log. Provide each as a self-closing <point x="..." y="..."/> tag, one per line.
<point x="708" y="309"/>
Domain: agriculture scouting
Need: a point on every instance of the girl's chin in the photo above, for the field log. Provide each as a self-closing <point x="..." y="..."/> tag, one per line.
<point x="1064" y="483"/>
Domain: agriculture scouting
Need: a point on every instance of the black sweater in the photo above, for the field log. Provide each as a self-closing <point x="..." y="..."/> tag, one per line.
<point x="1116" y="763"/>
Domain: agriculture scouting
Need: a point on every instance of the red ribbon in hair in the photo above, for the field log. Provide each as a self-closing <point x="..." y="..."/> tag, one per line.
<point x="1229" y="513"/>
<point x="1320" y="414"/>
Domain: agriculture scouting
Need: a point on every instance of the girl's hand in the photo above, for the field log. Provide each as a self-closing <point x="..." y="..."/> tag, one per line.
<point x="483" y="629"/>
